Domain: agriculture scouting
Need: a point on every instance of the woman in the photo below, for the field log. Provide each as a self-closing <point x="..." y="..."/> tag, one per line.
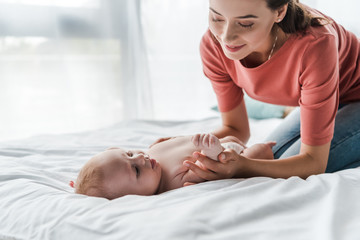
<point x="283" y="52"/>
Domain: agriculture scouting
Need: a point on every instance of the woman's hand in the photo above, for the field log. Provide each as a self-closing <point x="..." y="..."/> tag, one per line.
<point x="230" y="164"/>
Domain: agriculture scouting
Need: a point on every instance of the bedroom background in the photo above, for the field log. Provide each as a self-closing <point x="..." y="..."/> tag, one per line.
<point x="78" y="65"/>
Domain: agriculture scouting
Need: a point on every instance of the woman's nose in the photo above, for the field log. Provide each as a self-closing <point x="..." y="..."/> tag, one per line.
<point x="229" y="33"/>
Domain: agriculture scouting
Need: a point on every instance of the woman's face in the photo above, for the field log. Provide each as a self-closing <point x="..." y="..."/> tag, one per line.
<point x="242" y="27"/>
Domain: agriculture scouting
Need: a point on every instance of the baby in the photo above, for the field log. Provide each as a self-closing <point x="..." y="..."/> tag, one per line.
<point x="117" y="172"/>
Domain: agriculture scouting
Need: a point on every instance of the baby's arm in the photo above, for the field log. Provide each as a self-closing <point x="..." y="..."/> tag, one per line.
<point x="260" y="151"/>
<point x="211" y="146"/>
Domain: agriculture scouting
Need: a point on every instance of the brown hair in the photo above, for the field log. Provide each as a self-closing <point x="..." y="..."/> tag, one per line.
<point x="297" y="18"/>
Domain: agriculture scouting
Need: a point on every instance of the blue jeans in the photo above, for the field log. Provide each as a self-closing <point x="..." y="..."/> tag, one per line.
<point x="345" y="145"/>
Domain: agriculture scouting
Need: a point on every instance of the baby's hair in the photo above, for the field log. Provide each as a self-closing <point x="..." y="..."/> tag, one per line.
<point x="89" y="180"/>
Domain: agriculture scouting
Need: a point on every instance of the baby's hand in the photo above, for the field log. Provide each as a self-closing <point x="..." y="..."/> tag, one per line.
<point x="209" y="145"/>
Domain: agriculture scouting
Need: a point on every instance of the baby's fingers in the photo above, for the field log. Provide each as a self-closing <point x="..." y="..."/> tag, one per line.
<point x="196" y="139"/>
<point x="206" y="140"/>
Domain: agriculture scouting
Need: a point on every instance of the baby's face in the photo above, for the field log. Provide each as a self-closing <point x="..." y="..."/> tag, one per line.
<point x="129" y="172"/>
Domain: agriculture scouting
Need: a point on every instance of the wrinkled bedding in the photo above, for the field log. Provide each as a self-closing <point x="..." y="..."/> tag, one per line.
<point x="37" y="202"/>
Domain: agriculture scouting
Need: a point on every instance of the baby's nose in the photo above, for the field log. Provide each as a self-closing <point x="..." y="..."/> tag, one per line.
<point x="141" y="157"/>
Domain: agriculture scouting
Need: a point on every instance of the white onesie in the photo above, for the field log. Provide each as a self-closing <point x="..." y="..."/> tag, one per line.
<point x="232" y="145"/>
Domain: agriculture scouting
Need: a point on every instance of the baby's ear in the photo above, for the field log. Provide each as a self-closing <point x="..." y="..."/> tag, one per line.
<point x="71" y="183"/>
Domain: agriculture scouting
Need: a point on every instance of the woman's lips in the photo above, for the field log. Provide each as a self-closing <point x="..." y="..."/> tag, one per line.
<point x="233" y="48"/>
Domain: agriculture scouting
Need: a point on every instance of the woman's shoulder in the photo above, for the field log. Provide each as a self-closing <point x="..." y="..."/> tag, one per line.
<point x="329" y="28"/>
<point x="216" y="65"/>
<point x="314" y="33"/>
<point x="208" y="38"/>
<point x="315" y="38"/>
<point x="209" y="44"/>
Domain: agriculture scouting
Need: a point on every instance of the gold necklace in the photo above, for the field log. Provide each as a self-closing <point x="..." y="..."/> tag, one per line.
<point x="273" y="47"/>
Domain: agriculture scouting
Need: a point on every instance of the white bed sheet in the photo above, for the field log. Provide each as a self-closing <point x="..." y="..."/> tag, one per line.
<point x="37" y="203"/>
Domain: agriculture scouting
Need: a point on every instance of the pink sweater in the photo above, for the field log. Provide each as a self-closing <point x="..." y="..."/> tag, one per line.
<point x="315" y="71"/>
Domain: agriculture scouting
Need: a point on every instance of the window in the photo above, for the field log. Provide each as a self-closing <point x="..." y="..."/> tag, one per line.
<point x="63" y="65"/>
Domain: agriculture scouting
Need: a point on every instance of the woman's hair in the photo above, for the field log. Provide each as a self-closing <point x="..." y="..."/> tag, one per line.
<point x="297" y="18"/>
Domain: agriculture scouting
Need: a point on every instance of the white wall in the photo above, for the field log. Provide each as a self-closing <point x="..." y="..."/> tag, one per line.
<point x="344" y="12"/>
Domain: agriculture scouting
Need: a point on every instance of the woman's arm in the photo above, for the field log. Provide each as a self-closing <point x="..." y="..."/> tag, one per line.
<point x="311" y="160"/>
<point x="235" y="123"/>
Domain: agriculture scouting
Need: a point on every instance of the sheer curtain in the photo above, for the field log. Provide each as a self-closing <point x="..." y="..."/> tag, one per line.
<point x="173" y="30"/>
<point x="71" y="65"/>
<point x="76" y="65"/>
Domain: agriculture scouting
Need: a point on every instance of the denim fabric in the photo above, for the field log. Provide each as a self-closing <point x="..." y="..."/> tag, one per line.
<point x="345" y="145"/>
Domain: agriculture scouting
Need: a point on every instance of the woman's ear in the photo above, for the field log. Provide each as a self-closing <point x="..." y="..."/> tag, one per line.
<point x="281" y="13"/>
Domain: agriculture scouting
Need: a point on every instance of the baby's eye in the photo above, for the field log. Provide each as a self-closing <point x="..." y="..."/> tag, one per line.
<point x="137" y="170"/>
<point x="129" y="153"/>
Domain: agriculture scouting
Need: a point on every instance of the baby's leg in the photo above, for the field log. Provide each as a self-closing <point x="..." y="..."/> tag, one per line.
<point x="209" y="145"/>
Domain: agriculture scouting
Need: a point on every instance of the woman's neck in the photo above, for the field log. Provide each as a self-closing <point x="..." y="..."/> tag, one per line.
<point x="255" y="59"/>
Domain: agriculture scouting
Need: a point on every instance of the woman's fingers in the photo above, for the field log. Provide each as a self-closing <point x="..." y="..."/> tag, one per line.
<point x="208" y="169"/>
<point x="200" y="172"/>
<point x="191" y="159"/>
<point x="227" y="155"/>
<point x="209" y="163"/>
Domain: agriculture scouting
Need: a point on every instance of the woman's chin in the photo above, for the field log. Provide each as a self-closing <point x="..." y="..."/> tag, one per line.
<point x="233" y="56"/>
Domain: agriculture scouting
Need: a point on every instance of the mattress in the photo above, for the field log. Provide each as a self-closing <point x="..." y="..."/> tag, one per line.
<point x="38" y="203"/>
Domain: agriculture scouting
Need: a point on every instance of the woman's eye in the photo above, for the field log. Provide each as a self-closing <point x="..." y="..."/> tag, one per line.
<point x="246" y="25"/>
<point x="216" y="20"/>
<point x="130" y="154"/>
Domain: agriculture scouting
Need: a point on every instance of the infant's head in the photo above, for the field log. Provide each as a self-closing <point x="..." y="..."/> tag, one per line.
<point x="116" y="172"/>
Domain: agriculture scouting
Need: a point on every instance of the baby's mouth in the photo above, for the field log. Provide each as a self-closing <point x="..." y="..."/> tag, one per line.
<point x="153" y="163"/>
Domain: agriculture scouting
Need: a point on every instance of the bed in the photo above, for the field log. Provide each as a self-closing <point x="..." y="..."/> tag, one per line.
<point x="38" y="203"/>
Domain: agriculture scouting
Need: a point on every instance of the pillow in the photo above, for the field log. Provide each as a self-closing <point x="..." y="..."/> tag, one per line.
<point x="259" y="110"/>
